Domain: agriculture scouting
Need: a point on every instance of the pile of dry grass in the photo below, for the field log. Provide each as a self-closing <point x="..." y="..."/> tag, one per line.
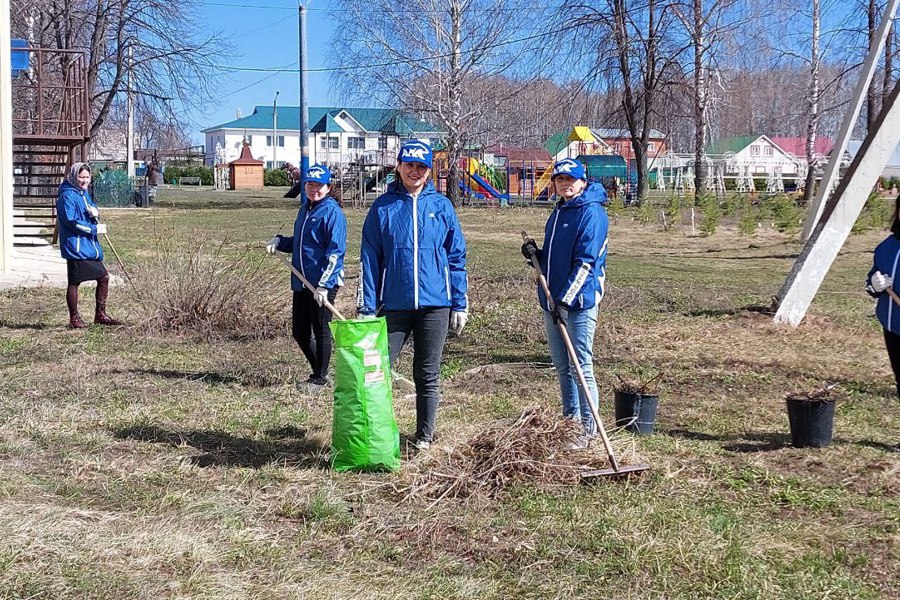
<point x="532" y="449"/>
<point x="205" y="290"/>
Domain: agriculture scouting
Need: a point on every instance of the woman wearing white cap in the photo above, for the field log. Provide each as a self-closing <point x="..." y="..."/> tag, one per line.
<point x="317" y="246"/>
<point x="574" y="262"/>
<point x="413" y="257"/>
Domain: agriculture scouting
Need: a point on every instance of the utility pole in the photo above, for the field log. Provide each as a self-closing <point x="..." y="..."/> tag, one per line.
<point x="275" y="131"/>
<point x="129" y="141"/>
<point x="304" y="111"/>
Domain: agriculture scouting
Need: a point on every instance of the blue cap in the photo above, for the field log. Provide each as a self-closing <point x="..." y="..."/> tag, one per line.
<point x="318" y="174"/>
<point x="415" y="151"/>
<point x="570" y="167"/>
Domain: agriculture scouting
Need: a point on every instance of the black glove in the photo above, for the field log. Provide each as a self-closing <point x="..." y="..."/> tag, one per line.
<point x="529" y="249"/>
<point x="559" y="314"/>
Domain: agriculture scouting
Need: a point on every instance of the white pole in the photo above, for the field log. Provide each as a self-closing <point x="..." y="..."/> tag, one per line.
<point x="6" y="155"/>
<point x="129" y="141"/>
<point x="840" y="145"/>
<point x="829" y="236"/>
<point x="275" y="131"/>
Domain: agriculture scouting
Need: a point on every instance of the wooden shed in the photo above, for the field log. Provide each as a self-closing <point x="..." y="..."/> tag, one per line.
<point x="246" y="173"/>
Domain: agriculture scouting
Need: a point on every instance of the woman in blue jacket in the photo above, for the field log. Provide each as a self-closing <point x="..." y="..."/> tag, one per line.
<point x="317" y="246"/>
<point x="413" y="270"/>
<point x="79" y="226"/>
<point x="881" y="277"/>
<point x="574" y="262"/>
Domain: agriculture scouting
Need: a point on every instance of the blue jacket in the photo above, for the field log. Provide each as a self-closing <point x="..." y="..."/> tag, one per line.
<point x="574" y="255"/>
<point x="318" y="244"/>
<point x="413" y="254"/>
<point x="77" y="229"/>
<point x="886" y="260"/>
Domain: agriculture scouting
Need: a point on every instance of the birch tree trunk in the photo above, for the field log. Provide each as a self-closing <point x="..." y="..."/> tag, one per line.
<point x="813" y="107"/>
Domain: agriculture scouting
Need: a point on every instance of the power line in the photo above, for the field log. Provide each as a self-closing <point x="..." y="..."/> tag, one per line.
<point x="393" y="62"/>
<point x="406" y="10"/>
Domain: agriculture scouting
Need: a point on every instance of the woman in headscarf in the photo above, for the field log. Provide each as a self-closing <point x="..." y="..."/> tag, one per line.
<point x="79" y="225"/>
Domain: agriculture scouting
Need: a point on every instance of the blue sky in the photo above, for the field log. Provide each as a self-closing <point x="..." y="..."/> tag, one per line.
<point x="264" y="34"/>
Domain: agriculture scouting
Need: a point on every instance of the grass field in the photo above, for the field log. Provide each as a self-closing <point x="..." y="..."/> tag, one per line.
<point x="141" y="464"/>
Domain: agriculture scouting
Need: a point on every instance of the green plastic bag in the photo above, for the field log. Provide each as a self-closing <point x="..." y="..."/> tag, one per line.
<point x="364" y="433"/>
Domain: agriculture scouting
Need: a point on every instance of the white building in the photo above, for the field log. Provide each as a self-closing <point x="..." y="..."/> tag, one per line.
<point x="338" y="136"/>
<point x="755" y="156"/>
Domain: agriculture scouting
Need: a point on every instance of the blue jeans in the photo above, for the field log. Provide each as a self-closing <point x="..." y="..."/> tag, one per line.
<point x="580" y="326"/>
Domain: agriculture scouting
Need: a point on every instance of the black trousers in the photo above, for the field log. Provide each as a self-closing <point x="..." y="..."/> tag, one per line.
<point x="892" y="341"/>
<point x="309" y="326"/>
<point x="429" y="327"/>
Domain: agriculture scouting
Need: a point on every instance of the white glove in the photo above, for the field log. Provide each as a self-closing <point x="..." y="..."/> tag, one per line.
<point x="881" y="282"/>
<point x="92" y="210"/>
<point x="320" y="296"/>
<point x="101" y="228"/>
<point x="272" y="245"/>
<point x="458" y="320"/>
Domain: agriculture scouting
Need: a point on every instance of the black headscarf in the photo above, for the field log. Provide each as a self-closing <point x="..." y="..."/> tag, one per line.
<point x="77" y="168"/>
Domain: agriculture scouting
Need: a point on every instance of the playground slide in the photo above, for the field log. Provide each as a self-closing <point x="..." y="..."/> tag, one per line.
<point x="470" y="191"/>
<point x="487" y="186"/>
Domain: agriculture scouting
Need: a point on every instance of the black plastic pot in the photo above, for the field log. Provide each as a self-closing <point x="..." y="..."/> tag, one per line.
<point x="636" y="412"/>
<point x="811" y="421"/>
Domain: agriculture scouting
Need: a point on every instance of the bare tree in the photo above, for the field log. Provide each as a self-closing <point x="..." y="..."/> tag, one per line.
<point x="423" y="56"/>
<point x="706" y="26"/>
<point x="160" y="42"/>
<point x="632" y="53"/>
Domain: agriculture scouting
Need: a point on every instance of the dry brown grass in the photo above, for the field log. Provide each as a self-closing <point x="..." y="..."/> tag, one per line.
<point x="531" y="450"/>
<point x="205" y="290"/>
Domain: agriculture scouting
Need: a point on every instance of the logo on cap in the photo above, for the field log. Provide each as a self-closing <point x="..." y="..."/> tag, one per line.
<point x="418" y="153"/>
<point x="316" y="172"/>
<point x="565" y="166"/>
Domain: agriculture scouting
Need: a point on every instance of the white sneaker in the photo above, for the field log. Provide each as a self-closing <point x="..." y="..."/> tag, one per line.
<point x="420" y="444"/>
<point x="581" y="443"/>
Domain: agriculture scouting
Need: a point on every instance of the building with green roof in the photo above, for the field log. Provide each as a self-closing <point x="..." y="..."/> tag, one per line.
<point x="337" y="136"/>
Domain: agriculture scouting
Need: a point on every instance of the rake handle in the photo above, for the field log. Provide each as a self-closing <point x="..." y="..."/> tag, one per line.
<point x="309" y="286"/>
<point x="118" y="259"/>
<point x="893" y="295"/>
<point x="574" y="359"/>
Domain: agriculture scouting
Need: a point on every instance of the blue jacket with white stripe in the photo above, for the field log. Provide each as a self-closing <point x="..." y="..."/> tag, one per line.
<point x="886" y="260"/>
<point x="318" y="244"/>
<point x="77" y="229"/>
<point x="574" y="255"/>
<point x="413" y="254"/>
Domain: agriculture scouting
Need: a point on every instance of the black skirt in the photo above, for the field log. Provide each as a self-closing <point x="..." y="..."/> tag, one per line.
<point x="80" y="271"/>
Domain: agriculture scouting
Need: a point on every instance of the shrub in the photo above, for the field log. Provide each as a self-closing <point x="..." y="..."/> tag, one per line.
<point x="172" y="174"/>
<point x="712" y="212"/>
<point x="786" y="215"/>
<point x="749" y="220"/>
<point x="673" y="212"/>
<point x="616" y="206"/>
<point x="877" y="213"/>
<point x="646" y="212"/>
<point x="203" y="291"/>
<point x="276" y="177"/>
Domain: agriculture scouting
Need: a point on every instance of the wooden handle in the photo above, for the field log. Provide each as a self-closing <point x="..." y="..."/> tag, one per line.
<point x="893" y="295"/>
<point x="308" y="286"/>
